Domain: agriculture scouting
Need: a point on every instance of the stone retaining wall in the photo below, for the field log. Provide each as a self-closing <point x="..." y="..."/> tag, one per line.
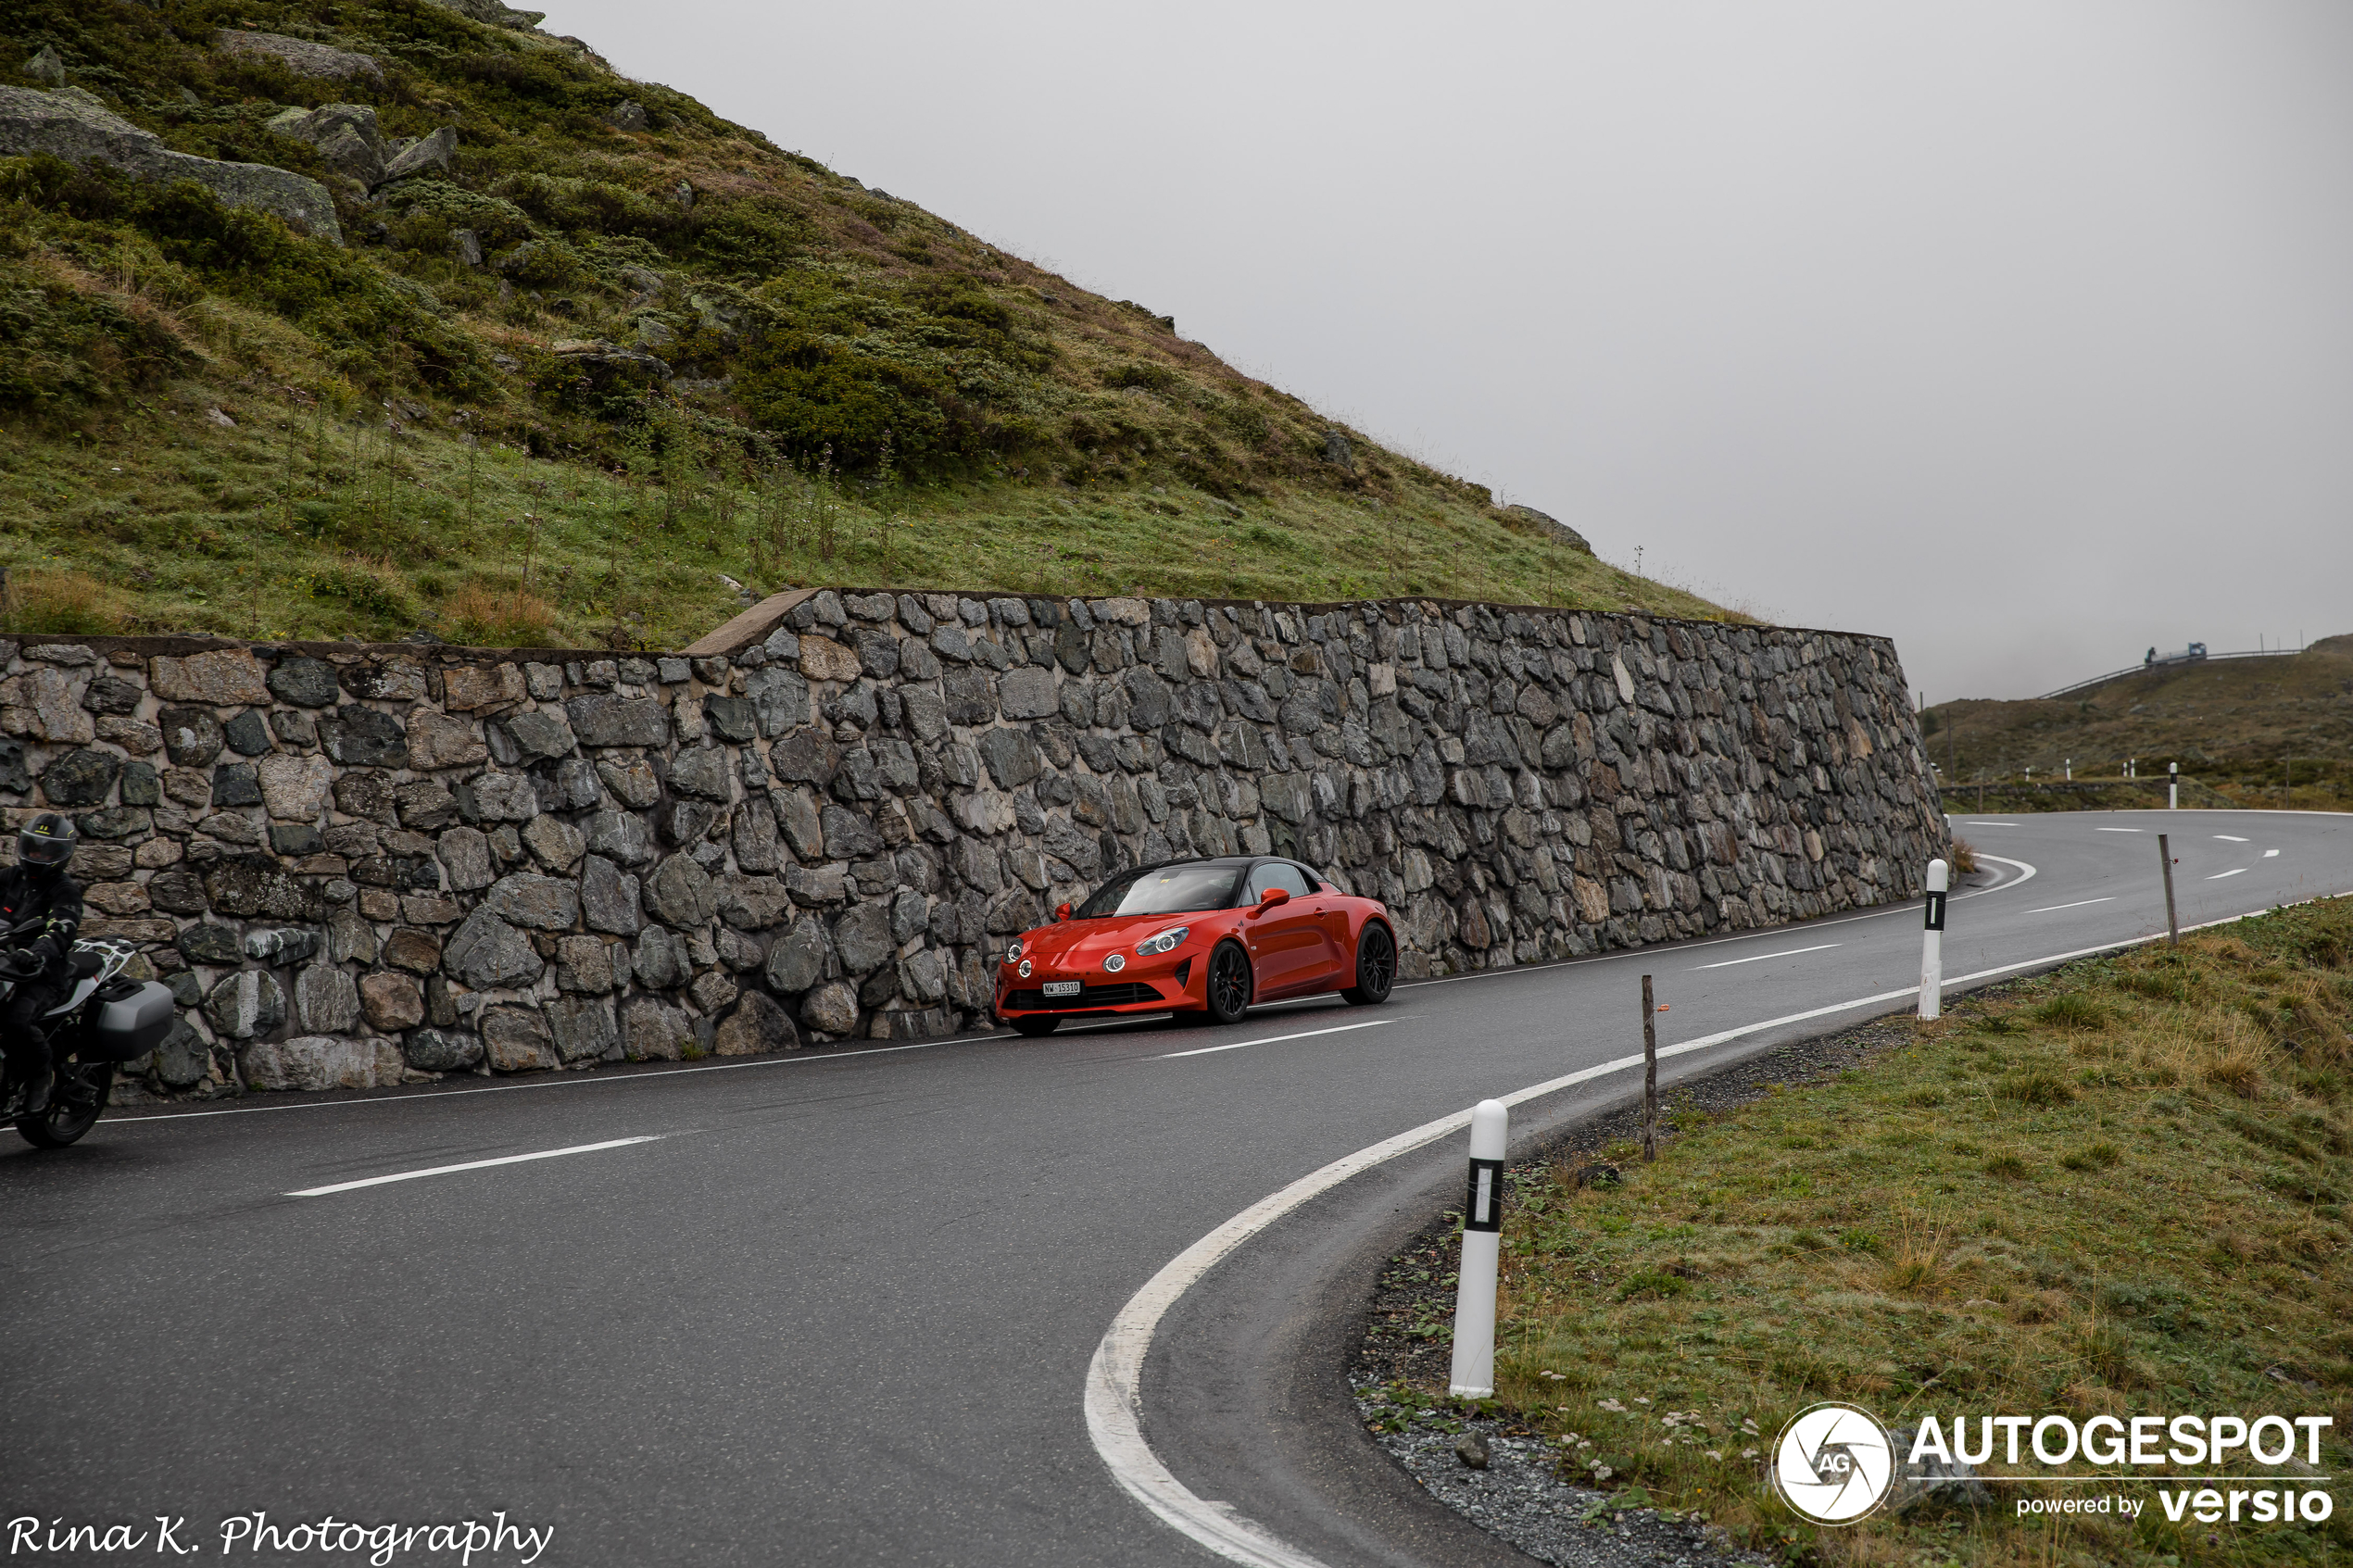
<point x="356" y="864"/>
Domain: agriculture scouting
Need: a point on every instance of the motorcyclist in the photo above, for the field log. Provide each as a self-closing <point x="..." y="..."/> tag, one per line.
<point x="40" y="962"/>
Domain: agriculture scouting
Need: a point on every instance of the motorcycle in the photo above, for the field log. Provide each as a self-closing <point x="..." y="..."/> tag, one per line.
<point x="106" y="1020"/>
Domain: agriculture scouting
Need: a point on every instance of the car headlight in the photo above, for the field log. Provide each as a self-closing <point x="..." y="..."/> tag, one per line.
<point x="1024" y="969"/>
<point x="1164" y="942"/>
<point x="1014" y="951"/>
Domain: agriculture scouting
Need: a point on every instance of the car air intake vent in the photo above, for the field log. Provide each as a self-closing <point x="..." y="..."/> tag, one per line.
<point x="1089" y="997"/>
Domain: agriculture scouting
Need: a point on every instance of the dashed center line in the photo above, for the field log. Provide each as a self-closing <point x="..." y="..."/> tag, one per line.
<point x="2269" y="853"/>
<point x="2077" y="905"/>
<point x="475" y="1165"/>
<point x="1784" y="953"/>
<point x="2220" y="875"/>
<point x="2116" y="830"/>
<point x="2230" y="838"/>
<point x="1270" y="1039"/>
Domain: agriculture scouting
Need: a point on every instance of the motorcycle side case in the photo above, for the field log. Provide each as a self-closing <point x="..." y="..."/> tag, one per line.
<point x="128" y="1020"/>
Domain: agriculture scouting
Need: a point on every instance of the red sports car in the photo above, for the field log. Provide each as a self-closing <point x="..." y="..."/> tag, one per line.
<point x="1202" y="939"/>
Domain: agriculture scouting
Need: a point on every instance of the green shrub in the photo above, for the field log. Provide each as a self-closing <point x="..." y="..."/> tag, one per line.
<point x="814" y="394"/>
<point x="2035" y="1087"/>
<point x="2072" y="1010"/>
<point x="1653" y="1285"/>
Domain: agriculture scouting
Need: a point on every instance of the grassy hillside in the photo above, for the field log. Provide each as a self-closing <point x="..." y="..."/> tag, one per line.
<point x="2120" y="1190"/>
<point x="686" y="357"/>
<point x="2247" y="729"/>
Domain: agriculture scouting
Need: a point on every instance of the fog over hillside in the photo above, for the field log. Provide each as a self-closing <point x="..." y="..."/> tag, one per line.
<point x="2015" y="331"/>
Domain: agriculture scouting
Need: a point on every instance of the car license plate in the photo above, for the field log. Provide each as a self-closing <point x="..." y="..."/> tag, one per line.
<point x="1062" y="987"/>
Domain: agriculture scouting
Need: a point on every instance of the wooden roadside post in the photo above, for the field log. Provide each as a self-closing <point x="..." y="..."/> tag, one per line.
<point x="1650" y="1074"/>
<point x="2172" y="924"/>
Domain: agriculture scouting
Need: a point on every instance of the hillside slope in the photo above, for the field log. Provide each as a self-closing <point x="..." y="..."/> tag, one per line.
<point x="593" y="364"/>
<point x="2248" y="727"/>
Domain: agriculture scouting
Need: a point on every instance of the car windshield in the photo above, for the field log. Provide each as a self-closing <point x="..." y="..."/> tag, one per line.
<point x="1165" y="890"/>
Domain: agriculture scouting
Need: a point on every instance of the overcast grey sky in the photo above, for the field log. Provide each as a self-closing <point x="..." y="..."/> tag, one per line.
<point x="2021" y="332"/>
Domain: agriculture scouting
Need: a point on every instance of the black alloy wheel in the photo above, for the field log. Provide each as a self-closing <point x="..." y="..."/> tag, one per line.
<point x="1230" y="983"/>
<point x="1376" y="966"/>
<point x="1034" y="1025"/>
<point x="75" y="1102"/>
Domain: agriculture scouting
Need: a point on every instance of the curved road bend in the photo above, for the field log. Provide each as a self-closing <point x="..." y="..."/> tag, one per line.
<point x="839" y="1309"/>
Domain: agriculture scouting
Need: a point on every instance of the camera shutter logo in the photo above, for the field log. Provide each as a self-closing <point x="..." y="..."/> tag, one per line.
<point x="1833" y="1463"/>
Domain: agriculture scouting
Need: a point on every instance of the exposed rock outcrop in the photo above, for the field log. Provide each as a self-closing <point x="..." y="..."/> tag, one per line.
<point x="348" y="138"/>
<point x="300" y="53"/>
<point x="71" y="126"/>
<point x="494" y="14"/>
<point x="1560" y="531"/>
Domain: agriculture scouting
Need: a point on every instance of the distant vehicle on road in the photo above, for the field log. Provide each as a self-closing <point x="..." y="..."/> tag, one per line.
<point x="1203" y="939"/>
<point x="2194" y="651"/>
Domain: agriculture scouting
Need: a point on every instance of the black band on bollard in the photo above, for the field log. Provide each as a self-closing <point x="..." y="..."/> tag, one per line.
<point x="1936" y="911"/>
<point x="1483" y="1210"/>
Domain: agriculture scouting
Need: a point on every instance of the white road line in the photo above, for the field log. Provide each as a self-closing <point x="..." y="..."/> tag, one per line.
<point x="2116" y="830"/>
<point x="2269" y="853"/>
<point x="1989" y="824"/>
<point x="1115" y="1393"/>
<point x="2077" y="905"/>
<point x="476" y="1165"/>
<point x="2220" y="875"/>
<point x="1785" y="953"/>
<point x="2230" y="838"/>
<point x="1237" y="1044"/>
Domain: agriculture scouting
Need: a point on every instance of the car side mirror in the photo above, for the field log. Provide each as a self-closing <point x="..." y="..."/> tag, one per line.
<point x="1271" y="897"/>
<point x="1062" y="911"/>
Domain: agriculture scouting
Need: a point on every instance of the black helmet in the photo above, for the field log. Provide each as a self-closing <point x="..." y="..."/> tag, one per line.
<point x="47" y="843"/>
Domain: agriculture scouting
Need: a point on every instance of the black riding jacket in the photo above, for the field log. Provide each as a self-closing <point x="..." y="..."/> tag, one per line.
<point x="57" y="898"/>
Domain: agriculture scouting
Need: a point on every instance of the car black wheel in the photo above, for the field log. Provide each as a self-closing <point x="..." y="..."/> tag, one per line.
<point x="1036" y="1026"/>
<point x="1229" y="984"/>
<point x="1376" y="966"/>
<point x="75" y="1102"/>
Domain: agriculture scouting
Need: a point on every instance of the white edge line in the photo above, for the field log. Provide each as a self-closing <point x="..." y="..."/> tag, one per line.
<point x="1114" y="1394"/>
<point x="476" y="1165"/>
<point x="2220" y="875"/>
<point x="1270" y="1039"/>
<point x="1784" y="953"/>
<point x="2120" y="829"/>
<point x="2230" y="838"/>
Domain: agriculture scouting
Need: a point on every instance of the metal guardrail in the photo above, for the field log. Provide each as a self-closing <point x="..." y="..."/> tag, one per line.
<point x="2148" y="667"/>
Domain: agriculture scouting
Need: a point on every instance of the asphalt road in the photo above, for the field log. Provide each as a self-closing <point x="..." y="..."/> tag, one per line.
<point x="839" y="1309"/>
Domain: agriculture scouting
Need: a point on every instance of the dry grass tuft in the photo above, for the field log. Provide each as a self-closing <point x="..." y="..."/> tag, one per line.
<point x="68" y="603"/>
<point x="497" y="618"/>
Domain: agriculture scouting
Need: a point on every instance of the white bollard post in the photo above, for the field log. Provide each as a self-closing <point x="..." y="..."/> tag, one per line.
<point x="2173" y="786"/>
<point x="1474" y="1374"/>
<point x="1932" y="943"/>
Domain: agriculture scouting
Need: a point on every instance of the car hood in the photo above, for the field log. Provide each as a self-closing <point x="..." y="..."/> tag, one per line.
<point x="1083" y="944"/>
